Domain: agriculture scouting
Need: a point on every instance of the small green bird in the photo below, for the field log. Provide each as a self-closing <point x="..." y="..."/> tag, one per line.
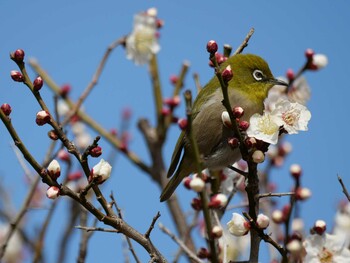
<point x="252" y="79"/>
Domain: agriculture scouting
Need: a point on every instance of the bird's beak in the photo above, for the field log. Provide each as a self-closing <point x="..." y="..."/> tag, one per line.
<point x="278" y="82"/>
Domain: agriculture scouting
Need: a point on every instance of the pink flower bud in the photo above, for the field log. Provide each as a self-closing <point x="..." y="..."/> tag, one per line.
<point x="238" y="112"/>
<point x="262" y="221"/>
<point x="216" y="232"/>
<point x="63" y="155"/>
<point x="225" y="117"/>
<point x="54" y="169"/>
<point x="165" y="111"/>
<point x="203" y="253"/>
<point x="196" y="204"/>
<point x="319" y="61"/>
<point x="227" y="74"/>
<point x="16" y="76"/>
<point x="172" y="102"/>
<point x="219" y="58"/>
<point x="126" y="113"/>
<point x="74" y="176"/>
<point x="197" y="184"/>
<point x="38" y="83"/>
<point x="217" y="201"/>
<point x="258" y="156"/>
<point x="124" y="147"/>
<point x="277" y="216"/>
<point x="309" y="53"/>
<point x="212" y="46"/>
<point x="53" y="135"/>
<point x="320" y="227"/>
<point x="238" y="225"/>
<point x="18" y="55"/>
<point x="243" y="125"/>
<point x="302" y="193"/>
<point x="65" y="90"/>
<point x="295" y="170"/>
<point x="6" y="109"/>
<point x="202" y="176"/>
<point x="53" y="192"/>
<point x="96" y="151"/>
<point x="290" y="74"/>
<point x="233" y="142"/>
<point x="250" y="142"/>
<point x="182" y="123"/>
<point x="160" y="23"/>
<point x="186" y="181"/>
<point x="42" y="117"/>
<point x="284" y="148"/>
<point x="174" y="79"/>
<point x="101" y="171"/>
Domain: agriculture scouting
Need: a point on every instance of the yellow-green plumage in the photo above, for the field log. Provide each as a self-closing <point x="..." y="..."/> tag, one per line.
<point x="248" y="88"/>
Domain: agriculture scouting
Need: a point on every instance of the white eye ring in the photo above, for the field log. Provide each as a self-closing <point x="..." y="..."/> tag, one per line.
<point x="258" y="75"/>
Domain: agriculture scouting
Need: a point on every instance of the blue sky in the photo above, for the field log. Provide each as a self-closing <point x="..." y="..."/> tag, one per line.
<point x="68" y="38"/>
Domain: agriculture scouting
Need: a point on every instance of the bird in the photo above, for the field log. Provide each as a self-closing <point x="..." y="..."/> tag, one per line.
<point x="252" y="79"/>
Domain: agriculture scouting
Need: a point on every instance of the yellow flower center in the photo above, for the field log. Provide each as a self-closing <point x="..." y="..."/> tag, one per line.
<point x="290" y="117"/>
<point x="266" y="125"/>
<point x="325" y="256"/>
<point x="143" y="41"/>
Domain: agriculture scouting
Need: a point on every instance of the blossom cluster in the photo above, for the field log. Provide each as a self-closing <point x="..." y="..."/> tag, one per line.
<point x="289" y="116"/>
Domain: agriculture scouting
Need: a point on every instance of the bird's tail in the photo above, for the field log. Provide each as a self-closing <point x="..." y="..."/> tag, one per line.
<point x="171" y="186"/>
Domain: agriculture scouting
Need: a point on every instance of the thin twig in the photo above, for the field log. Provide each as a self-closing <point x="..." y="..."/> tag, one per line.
<point x="197" y="82"/>
<point x="155" y="218"/>
<point x="99" y="229"/>
<point x="193" y="224"/>
<point x="89" y="121"/>
<point x="266" y="237"/>
<point x="231" y="167"/>
<point x="131" y="248"/>
<point x="345" y="191"/>
<point x="15" y="223"/>
<point x="94" y="80"/>
<point x="188" y="252"/>
<point x="275" y="194"/>
<point x="245" y="42"/>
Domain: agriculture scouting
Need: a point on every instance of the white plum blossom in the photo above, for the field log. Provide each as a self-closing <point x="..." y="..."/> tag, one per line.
<point x="342" y="223"/>
<point x="300" y="91"/>
<point x="276" y="93"/>
<point x="231" y="180"/>
<point x="238" y="225"/>
<point x="143" y="41"/>
<point x="326" y="248"/>
<point x="293" y="117"/>
<point x="101" y="171"/>
<point x="264" y="128"/>
<point x="232" y="246"/>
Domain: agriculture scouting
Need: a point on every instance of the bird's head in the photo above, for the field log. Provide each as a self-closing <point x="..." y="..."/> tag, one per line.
<point x="251" y="76"/>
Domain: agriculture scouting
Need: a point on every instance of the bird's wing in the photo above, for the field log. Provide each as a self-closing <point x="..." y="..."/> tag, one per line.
<point x="176" y="154"/>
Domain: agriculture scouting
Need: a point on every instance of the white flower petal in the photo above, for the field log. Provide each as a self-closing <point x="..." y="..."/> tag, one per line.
<point x="263" y="127"/>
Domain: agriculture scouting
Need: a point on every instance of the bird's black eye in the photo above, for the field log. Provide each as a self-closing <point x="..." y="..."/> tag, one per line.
<point x="258" y="75"/>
